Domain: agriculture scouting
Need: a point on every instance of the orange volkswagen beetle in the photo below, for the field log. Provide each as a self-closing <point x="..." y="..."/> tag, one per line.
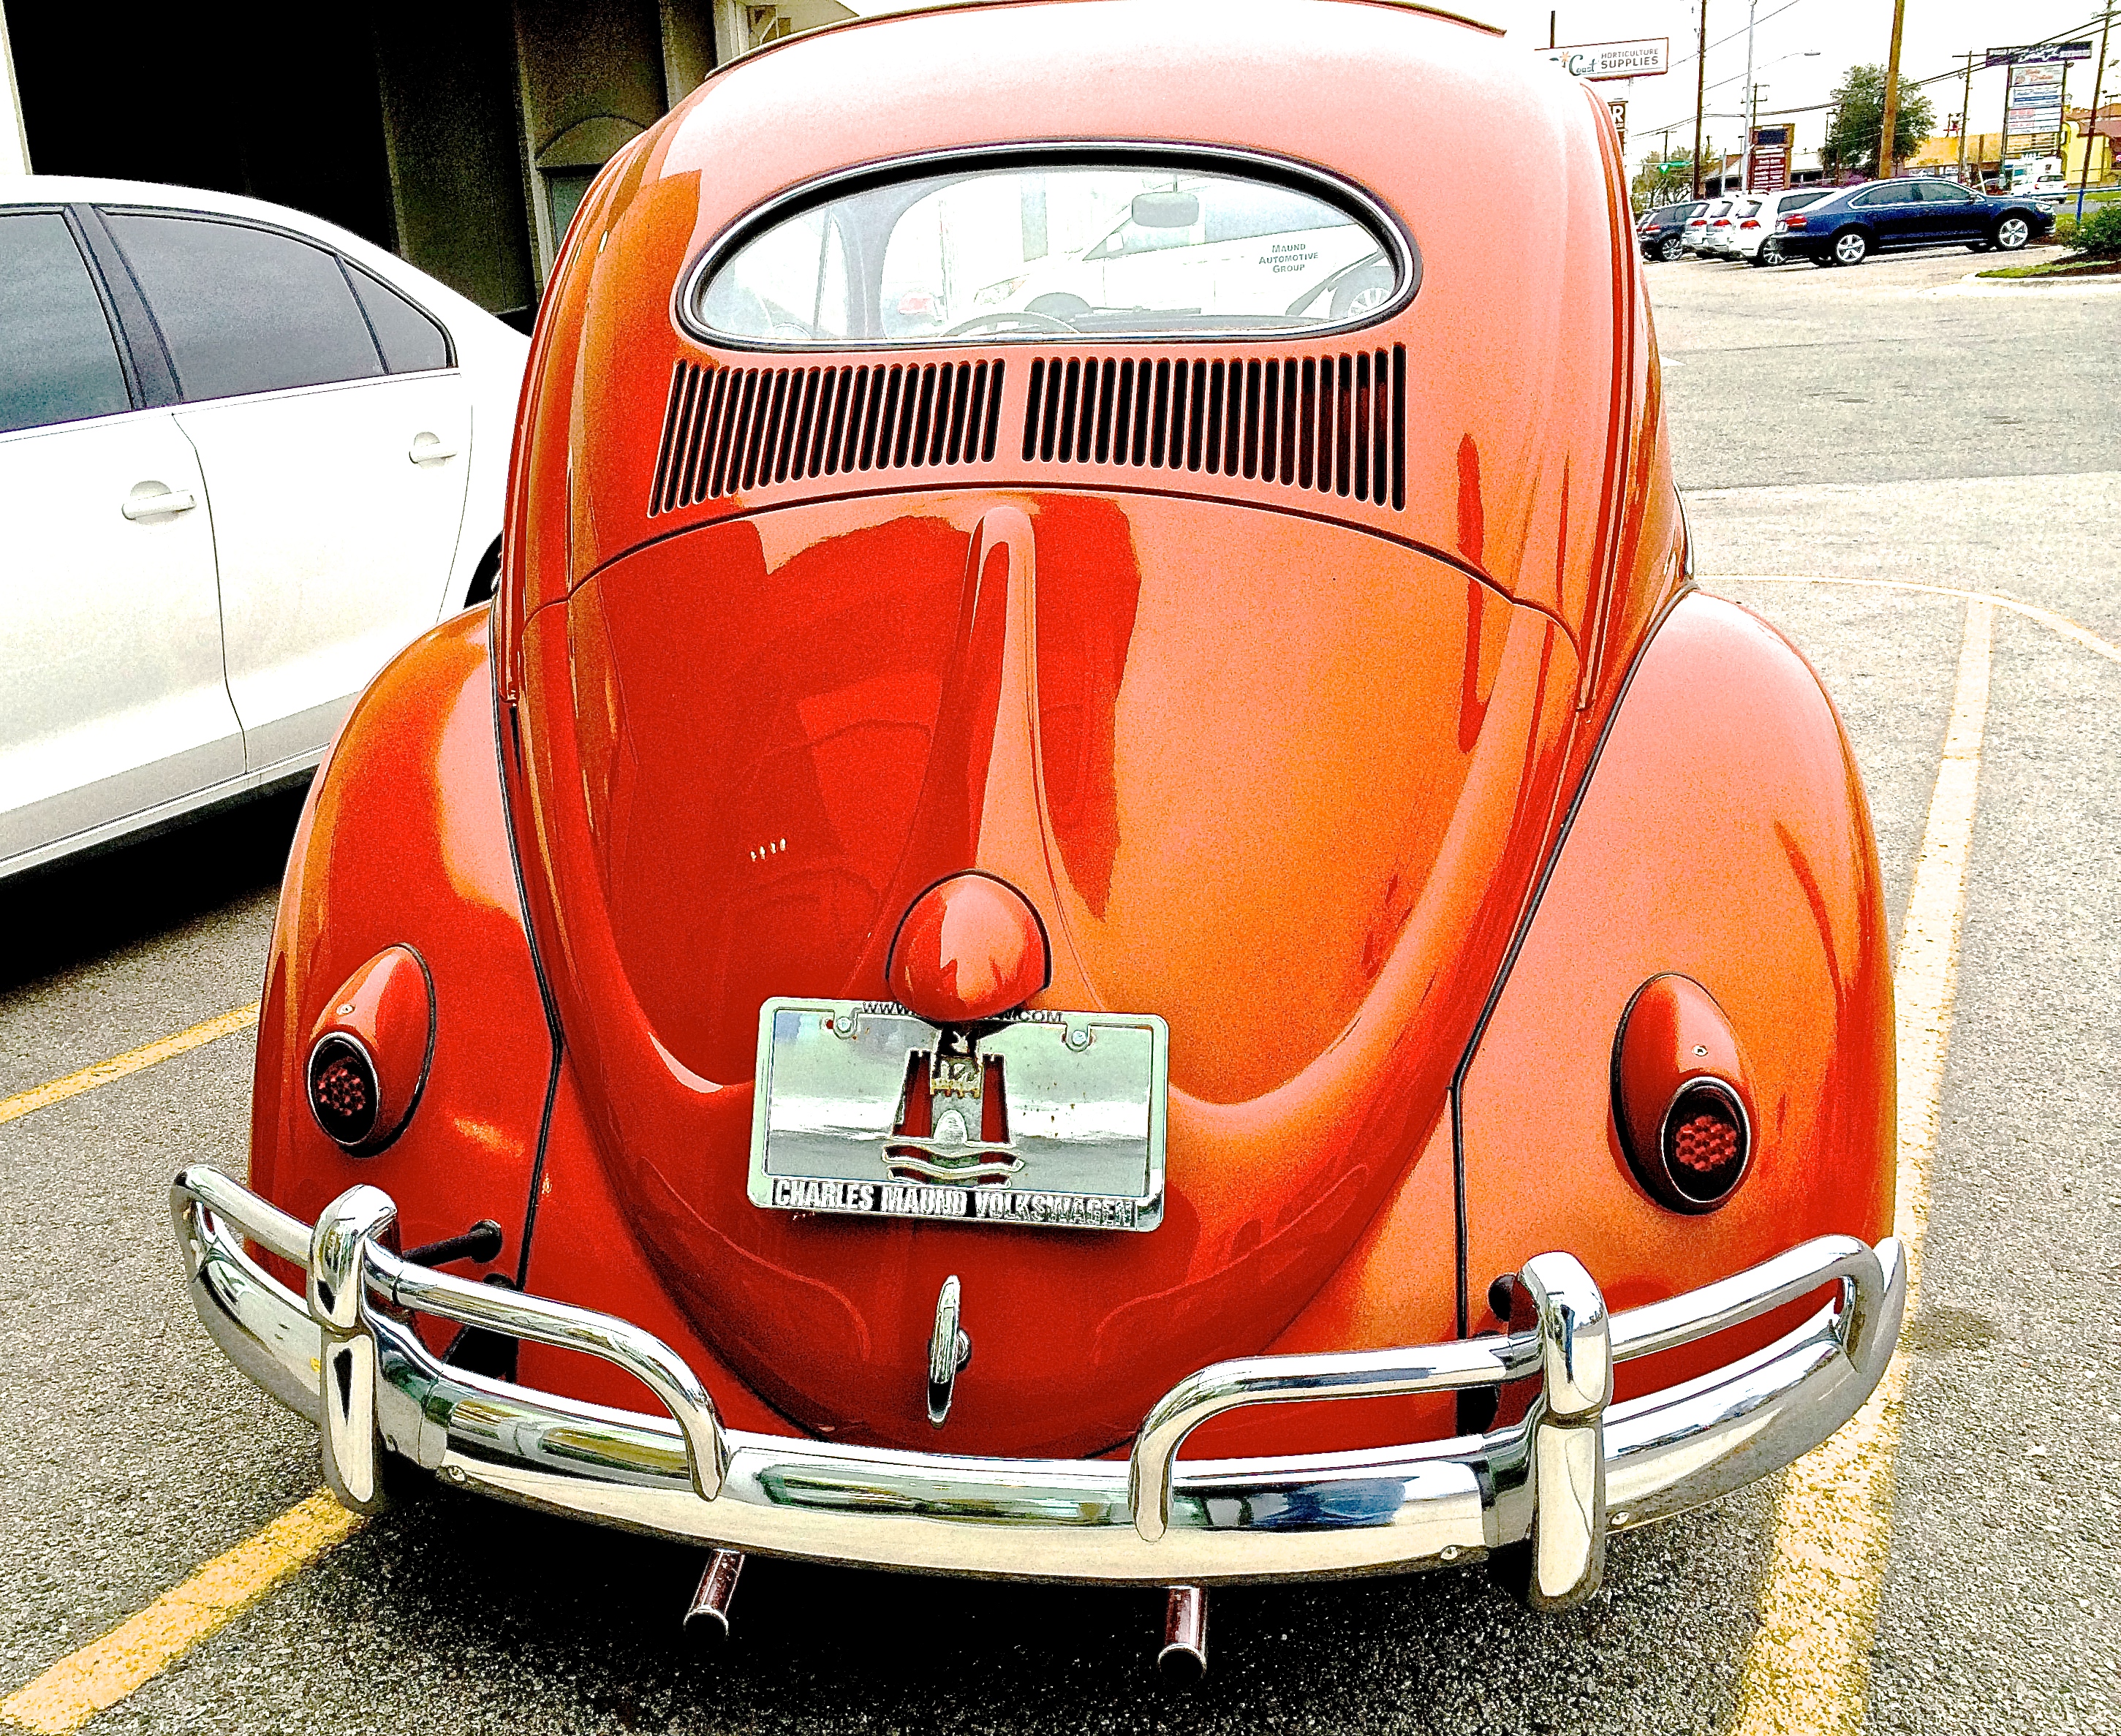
<point x="1098" y="904"/>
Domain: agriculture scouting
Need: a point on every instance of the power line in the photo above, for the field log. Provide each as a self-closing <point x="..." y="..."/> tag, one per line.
<point x="1817" y="108"/>
<point x="1953" y="72"/>
<point x="1718" y="43"/>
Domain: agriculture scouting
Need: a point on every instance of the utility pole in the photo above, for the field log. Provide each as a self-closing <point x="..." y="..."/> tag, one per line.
<point x="1887" y="156"/>
<point x="1746" y="144"/>
<point x="1551" y="18"/>
<point x="1700" y="93"/>
<point x="1966" y="117"/>
<point x="2003" y="137"/>
<point x="2091" y="121"/>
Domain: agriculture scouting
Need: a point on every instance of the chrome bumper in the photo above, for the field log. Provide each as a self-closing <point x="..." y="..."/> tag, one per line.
<point x="1576" y="1468"/>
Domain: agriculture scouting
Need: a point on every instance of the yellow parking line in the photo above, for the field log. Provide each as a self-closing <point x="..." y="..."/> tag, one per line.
<point x="99" y="1675"/>
<point x="58" y="1091"/>
<point x="1809" y="1669"/>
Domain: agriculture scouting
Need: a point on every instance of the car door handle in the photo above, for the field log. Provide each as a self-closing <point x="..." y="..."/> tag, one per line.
<point x="427" y="448"/>
<point x="138" y="506"/>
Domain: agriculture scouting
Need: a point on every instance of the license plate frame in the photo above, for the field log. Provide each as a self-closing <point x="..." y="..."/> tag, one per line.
<point x="1084" y="1096"/>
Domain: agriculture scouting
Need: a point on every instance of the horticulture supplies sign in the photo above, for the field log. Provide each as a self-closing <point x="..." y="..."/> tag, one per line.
<point x="1648" y="59"/>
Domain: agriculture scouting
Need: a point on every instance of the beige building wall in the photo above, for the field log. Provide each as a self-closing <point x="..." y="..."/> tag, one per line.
<point x="1941" y="150"/>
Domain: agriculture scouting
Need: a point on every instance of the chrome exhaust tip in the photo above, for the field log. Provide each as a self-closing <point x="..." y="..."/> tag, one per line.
<point x="1184" y="1660"/>
<point x="707" y="1615"/>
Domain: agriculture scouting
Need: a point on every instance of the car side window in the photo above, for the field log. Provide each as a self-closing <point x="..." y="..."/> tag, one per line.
<point x="412" y="342"/>
<point x="62" y="362"/>
<point x="1943" y="193"/>
<point x="244" y="309"/>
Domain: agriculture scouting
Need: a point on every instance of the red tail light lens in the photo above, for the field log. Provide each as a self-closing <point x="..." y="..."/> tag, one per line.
<point x="344" y="1095"/>
<point x="1704" y="1142"/>
<point x="1797" y="220"/>
<point x="1750" y="223"/>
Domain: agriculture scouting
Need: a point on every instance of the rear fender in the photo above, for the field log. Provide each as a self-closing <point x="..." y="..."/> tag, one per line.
<point x="401" y="842"/>
<point x="1724" y="834"/>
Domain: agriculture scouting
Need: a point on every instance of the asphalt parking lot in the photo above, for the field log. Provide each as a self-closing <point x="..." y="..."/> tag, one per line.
<point x="1859" y="449"/>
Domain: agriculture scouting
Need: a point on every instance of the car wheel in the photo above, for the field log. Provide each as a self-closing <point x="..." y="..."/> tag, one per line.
<point x="1673" y="250"/>
<point x="1770" y="253"/>
<point x="2012" y="233"/>
<point x="1363" y="292"/>
<point x="1851" y="246"/>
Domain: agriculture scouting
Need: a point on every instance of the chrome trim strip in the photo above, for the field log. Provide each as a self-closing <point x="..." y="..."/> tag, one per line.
<point x="1300" y="1516"/>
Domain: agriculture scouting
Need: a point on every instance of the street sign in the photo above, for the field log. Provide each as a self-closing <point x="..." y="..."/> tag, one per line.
<point x="1648" y="59"/>
<point x="2047" y="54"/>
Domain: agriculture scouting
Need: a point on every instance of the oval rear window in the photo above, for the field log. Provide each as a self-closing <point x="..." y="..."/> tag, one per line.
<point x="1026" y="250"/>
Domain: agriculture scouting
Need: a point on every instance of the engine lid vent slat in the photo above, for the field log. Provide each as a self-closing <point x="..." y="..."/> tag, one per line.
<point x="728" y="430"/>
<point x="1333" y="424"/>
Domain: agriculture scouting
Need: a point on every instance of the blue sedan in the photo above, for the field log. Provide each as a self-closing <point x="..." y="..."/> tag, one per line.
<point x="1848" y="226"/>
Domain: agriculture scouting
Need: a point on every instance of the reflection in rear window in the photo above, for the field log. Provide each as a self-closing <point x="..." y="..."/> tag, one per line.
<point x="1023" y="251"/>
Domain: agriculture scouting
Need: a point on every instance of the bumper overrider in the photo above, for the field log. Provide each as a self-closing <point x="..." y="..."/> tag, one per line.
<point x="1576" y="1468"/>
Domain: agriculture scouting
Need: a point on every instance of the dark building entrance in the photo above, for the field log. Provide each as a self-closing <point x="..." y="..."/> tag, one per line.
<point x="460" y="135"/>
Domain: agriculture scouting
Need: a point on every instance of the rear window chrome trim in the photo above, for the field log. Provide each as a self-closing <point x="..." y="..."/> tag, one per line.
<point x="1292" y="173"/>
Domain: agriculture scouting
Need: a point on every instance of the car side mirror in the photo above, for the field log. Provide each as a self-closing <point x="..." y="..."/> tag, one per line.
<point x="1166" y="210"/>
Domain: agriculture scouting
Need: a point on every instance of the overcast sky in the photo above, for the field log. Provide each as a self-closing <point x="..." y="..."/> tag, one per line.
<point x="1842" y="33"/>
<point x="1801" y="48"/>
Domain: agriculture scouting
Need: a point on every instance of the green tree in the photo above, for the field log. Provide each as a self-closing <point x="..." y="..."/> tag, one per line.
<point x="1859" y="117"/>
<point x="1662" y="181"/>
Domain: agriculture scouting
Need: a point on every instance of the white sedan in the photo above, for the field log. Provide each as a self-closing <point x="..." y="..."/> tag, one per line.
<point x="244" y="456"/>
<point x="1206" y="247"/>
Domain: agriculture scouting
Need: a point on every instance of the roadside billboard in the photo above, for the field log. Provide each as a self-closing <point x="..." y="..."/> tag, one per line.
<point x="2035" y="99"/>
<point x="2045" y="54"/>
<point x="1649" y="57"/>
<point x="1769" y="171"/>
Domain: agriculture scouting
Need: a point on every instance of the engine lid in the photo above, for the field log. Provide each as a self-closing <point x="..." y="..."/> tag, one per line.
<point x="1277" y="785"/>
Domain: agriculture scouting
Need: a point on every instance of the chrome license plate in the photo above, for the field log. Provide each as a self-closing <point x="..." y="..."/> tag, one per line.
<point x="1047" y="1118"/>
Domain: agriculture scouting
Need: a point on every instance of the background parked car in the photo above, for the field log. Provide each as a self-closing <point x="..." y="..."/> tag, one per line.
<point x="1663" y="232"/>
<point x="1846" y="228"/>
<point x="1717" y="237"/>
<point x="1753" y="235"/>
<point x="1697" y="225"/>
<point x="244" y="456"/>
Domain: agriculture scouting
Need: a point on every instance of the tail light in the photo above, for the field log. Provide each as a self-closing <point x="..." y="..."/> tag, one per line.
<point x="1682" y="1100"/>
<point x="371" y="1051"/>
<point x="1704" y="1139"/>
<point x="1797" y="220"/>
<point x="1750" y="223"/>
<point x="344" y="1095"/>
